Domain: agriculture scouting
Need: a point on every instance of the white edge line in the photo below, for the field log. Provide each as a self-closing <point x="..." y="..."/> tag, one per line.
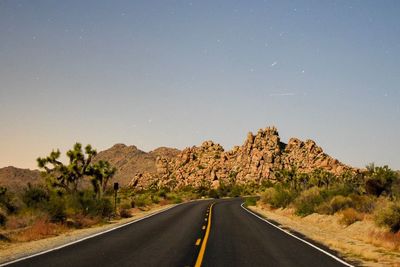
<point x="298" y="238"/>
<point x="88" y="237"/>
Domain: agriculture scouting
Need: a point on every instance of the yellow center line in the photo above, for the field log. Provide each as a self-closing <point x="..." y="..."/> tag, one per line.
<point x="204" y="244"/>
<point x="198" y="241"/>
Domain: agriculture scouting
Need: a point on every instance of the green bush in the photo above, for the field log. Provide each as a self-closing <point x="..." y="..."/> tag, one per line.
<point x="308" y="201"/>
<point x="104" y="207"/>
<point x="213" y="194"/>
<point x="85" y="203"/>
<point x="278" y="196"/>
<point x="340" y="203"/>
<point x="142" y="200"/>
<point x="35" y="196"/>
<point x="389" y="216"/>
<point x="7" y="200"/>
<point x="363" y="203"/>
<point x="334" y="205"/>
<point x="57" y="209"/>
<point x="174" y="198"/>
<point x="250" y="201"/>
<point x="380" y="180"/>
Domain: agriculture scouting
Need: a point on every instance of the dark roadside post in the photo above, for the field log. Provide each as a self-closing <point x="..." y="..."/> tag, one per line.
<point x="116" y="186"/>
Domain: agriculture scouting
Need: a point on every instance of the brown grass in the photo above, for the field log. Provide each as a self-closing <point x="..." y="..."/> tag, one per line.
<point x="17" y="222"/>
<point x="385" y="239"/>
<point x="350" y="216"/>
<point x="40" y="229"/>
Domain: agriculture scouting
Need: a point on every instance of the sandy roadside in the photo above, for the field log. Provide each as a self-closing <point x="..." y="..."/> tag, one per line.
<point x="352" y="242"/>
<point x="19" y="250"/>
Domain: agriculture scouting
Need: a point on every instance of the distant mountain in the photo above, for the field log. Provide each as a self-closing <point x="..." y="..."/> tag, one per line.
<point x="15" y="178"/>
<point x="129" y="160"/>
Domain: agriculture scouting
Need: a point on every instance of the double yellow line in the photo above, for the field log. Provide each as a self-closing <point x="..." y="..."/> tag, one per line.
<point x="204" y="244"/>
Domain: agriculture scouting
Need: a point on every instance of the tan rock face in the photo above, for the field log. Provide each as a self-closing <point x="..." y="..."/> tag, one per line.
<point x="256" y="160"/>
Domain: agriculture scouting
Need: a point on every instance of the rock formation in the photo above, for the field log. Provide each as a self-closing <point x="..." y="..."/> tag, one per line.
<point x="256" y="160"/>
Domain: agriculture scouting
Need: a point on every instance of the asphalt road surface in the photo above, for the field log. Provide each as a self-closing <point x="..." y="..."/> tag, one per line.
<point x="189" y="235"/>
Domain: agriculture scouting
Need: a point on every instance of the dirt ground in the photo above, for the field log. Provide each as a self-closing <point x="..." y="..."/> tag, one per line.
<point x="359" y="243"/>
<point x="12" y="251"/>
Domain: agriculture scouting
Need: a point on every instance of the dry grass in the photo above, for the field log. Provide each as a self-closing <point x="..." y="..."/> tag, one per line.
<point x="42" y="228"/>
<point x="385" y="239"/>
<point x="350" y="216"/>
<point x="17" y="222"/>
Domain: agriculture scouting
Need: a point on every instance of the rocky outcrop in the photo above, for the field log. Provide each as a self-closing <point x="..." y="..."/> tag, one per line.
<point x="256" y="160"/>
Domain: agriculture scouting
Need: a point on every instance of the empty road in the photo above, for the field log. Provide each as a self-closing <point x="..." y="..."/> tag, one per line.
<point x="189" y="235"/>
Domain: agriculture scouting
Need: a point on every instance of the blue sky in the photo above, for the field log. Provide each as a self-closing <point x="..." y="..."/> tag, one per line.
<point x="176" y="73"/>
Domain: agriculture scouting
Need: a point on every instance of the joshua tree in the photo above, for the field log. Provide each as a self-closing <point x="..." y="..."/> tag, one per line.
<point x="68" y="177"/>
<point x="101" y="173"/>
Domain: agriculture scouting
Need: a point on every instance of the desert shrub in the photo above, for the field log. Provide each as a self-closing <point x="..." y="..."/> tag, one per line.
<point x="3" y="219"/>
<point x="125" y="213"/>
<point x="236" y="191"/>
<point x="335" y="190"/>
<point x="162" y="193"/>
<point x="250" y="201"/>
<point x="213" y="193"/>
<point x="308" y="201"/>
<point x="56" y="209"/>
<point x="268" y="195"/>
<point x="7" y="201"/>
<point x="35" y="196"/>
<point x="142" y="200"/>
<point x="85" y="202"/>
<point x="380" y="180"/>
<point x="350" y="216"/>
<point x="124" y="210"/>
<point x="174" y="197"/>
<point x="104" y="208"/>
<point x="363" y="203"/>
<point x="278" y="196"/>
<point x="324" y="208"/>
<point x="202" y="191"/>
<point x="389" y="216"/>
<point x="339" y="202"/>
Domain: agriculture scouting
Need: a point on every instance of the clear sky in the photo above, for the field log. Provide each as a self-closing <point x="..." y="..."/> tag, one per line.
<point x="176" y="73"/>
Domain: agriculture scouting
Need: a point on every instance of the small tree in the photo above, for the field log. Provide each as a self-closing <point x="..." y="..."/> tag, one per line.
<point x="380" y="180"/>
<point x="101" y="173"/>
<point x="67" y="177"/>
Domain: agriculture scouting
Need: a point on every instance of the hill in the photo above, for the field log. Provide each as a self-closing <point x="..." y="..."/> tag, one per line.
<point x="129" y="160"/>
<point x="15" y="178"/>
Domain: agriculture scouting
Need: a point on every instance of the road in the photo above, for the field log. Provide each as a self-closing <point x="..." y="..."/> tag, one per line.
<point x="188" y="235"/>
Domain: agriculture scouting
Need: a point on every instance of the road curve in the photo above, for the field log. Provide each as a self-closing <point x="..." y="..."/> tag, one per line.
<point x="238" y="238"/>
<point x="174" y="238"/>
